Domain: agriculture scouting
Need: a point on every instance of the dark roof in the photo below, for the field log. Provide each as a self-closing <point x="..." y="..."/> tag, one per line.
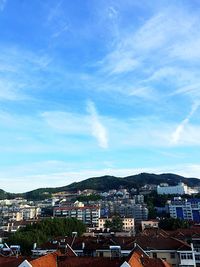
<point x="89" y="262"/>
<point x="159" y="239"/>
<point x="11" y="261"/>
<point x="184" y="234"/>
<point x="148" y="240"/>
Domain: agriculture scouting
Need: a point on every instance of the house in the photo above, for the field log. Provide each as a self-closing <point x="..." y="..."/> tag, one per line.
<point x="149" y="224"/>
<point x="137" y="258"/>
<point x="159" y="244"/>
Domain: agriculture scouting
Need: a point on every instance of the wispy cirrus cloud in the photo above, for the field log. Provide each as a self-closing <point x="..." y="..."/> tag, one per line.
<point x="156" y="34"/>
<point x="154" y="53"/>
<point x="98" y="129"/>
<point x="57" y="20"/>
<point x="177" y="134"/>
<point x="20" y="72"/>
<point x="79" y="124"/>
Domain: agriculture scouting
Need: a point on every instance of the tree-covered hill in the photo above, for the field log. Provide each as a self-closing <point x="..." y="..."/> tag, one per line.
<point x="105" y="183"/>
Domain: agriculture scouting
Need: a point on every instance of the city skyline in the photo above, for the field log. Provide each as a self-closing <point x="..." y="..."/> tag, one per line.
<point x="89" y="88"/>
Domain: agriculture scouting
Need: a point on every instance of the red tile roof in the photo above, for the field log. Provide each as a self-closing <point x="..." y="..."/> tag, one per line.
<point x="138" y="258"/>
<point x="90" y="262"/>
<point x="11" y="261"/>
<point x="158" y="239"/>
<point x="49" y="260"/>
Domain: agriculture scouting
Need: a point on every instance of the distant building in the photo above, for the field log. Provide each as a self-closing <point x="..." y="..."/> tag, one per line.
<point x="87" y="214"/>
<point x="125" y="209"/>
<point x="149" y="224"/>
<point x="128" y="224"/>
<point x="187" y="209"/>
<point x="180" y="189"/>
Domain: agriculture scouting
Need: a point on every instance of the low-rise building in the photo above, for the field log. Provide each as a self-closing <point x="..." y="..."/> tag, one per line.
<point x="149" y="224"/>
<point x="128" y="224"/>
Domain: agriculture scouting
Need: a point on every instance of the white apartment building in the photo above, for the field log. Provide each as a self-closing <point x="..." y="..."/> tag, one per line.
<point x="180" y="189"/>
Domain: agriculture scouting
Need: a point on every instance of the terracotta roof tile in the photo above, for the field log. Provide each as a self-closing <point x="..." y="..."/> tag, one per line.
<point x="138" y="258"/>
<point x="49" y="260"/>
<point x="89" y="262"/>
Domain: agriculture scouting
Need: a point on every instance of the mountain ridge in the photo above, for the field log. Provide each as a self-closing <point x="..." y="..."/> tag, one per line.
<point x="108" y="182"/>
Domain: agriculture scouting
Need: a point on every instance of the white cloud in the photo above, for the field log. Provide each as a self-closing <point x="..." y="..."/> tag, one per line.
<point x="11" y="91"/>
<point x="143" y="92"/>
<point x="177" y="134"/>
<point x="134" y="47"/>
<point x="78" y="124"/>
<point x="98" y="129"/>
<point x="152" y="55"/>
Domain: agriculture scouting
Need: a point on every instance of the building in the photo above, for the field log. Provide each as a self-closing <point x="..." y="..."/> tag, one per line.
<point x="87" y="214"/>
<point x="149" y="224"/>
<point x="13" y="213"/>
<point x="180" y="189"/>
<point x="137" y="258"/>
<point x="187" y="209"/>
<point x="165" y="189"/>
<point x="128" y="224"/>
<point x="127" y="209"/>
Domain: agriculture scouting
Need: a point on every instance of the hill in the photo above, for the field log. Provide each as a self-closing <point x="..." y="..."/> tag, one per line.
<point x="105" y="183"/>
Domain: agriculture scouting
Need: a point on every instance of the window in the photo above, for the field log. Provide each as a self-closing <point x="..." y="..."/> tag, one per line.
<point x="197" y="257"/>
<point x="189" y="256"/>
<point x="154" y="255"/>
<point x="172" y="255"/>
<point x="183" y="256"/>
<point x="186" y="256"/>
<point x="101" y="254"/>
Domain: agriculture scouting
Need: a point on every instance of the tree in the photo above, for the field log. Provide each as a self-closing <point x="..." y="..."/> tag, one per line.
<point x="42" y="231"/>
<point x="115" y="224"/>
<point x="173" y="224"/>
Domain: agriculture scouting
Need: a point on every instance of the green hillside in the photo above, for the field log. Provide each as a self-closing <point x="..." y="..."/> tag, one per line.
<point x="105" y="183"/>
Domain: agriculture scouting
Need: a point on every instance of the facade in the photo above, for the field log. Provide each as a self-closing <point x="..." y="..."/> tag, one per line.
<point x="149" y="224"/>
<point x="18" y="213"/>
<point x="127" y="209"/>
<point x="128" y="224"/>
<point x="87" y="214"/>
<point x="187" y="209"/>
<point x="180" y="189"/>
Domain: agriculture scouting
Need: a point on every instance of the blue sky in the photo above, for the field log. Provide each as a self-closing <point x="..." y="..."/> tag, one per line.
<point x="91" y="87"/>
